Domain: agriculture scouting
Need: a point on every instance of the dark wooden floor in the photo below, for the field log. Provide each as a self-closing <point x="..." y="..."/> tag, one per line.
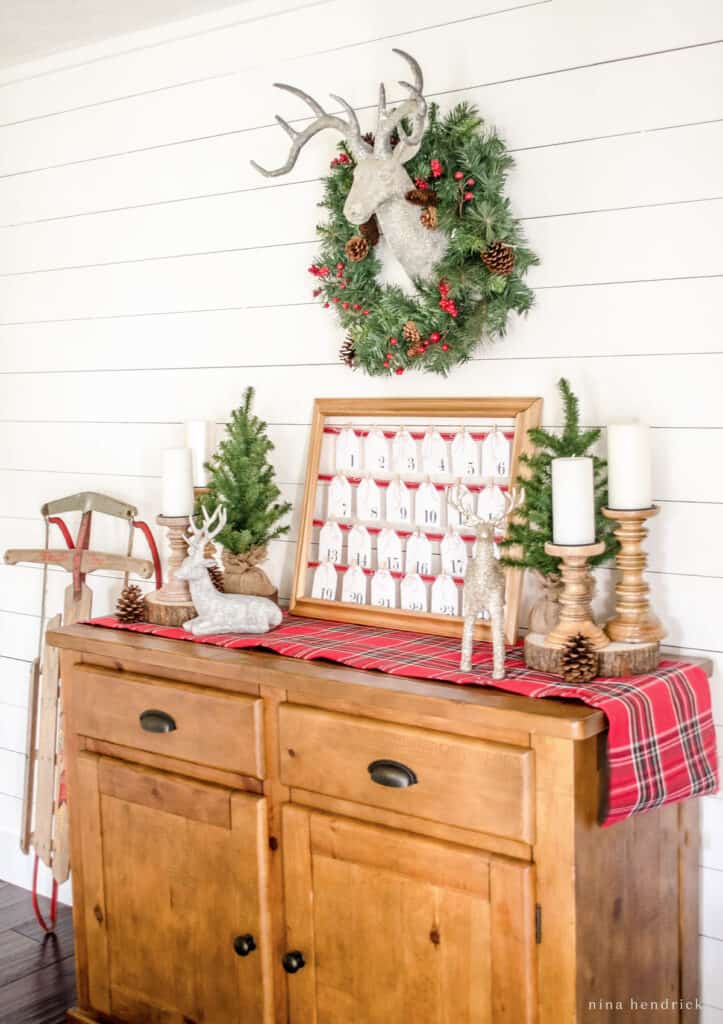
<point x="37" y="982"/>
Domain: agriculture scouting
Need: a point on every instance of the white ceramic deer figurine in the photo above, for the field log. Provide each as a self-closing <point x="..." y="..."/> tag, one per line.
<point x="380" y="180"/>
<point x="484" y="580"/>
<point x="220" y="613"/>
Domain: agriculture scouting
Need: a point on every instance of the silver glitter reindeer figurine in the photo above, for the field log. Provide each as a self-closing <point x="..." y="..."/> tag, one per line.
<point x="380" y="180"/>
<point x="484" y="580"/>
<point x="220" y="613"/>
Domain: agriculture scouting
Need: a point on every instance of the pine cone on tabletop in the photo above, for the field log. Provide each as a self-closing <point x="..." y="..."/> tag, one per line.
<point x="499" y="258"/>
<point x="579" y="660"/>
<point x="369" y="230"/>
<point x="411" y="333"/>
<point x="131" y="605"/>
<point x="428" y="218"/>
<point x="347" y="352"/>
<point x="356" y="249"/>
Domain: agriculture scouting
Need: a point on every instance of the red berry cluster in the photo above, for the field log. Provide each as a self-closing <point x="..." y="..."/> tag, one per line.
<point x="341" y="283"/>
<point x="340" y="161"/>
<point x="433" y="339"/>
<point x="469" y="183"/>
<point x="445" y="303"/>
<point x="421" y="184"/>
<point x="436" y="168"/>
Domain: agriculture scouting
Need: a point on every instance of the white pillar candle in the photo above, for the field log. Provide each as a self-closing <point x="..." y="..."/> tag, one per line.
<point x="177" y="491"/>
<point x="630" y="484"/>
<point x="573" y="501"/>
<point x="199" y="438"/>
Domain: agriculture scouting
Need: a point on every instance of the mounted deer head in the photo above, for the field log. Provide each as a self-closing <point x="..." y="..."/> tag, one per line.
<point x="380" y="179"/>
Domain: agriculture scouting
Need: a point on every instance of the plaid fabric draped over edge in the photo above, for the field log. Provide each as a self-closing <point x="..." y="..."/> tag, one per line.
<point x="661" y="740"/>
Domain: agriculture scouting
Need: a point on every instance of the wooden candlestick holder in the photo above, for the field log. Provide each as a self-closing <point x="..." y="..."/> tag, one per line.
<point x="172" y="605"/>
<point x="634" y="622"/>
<point x="576" y="597"/>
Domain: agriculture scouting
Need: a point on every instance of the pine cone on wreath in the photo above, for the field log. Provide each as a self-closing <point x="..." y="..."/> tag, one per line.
<point x="411" y="333"/>
<point x="370" y="230"/>
<point x="393" y="138"/>
<point x="215" y="573"/>
<point x="347" y="353"/>
<point x="356" y="249"/>
<point x="579" y="660"/>
<point x="131" y="605"/>
<point x="499" y="259"/>
<point x="428" y="217"/>
<point x="421" y="197"/>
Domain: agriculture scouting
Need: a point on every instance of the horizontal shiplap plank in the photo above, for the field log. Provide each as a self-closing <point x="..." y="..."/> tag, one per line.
<point x="673" y="545"/>
<point x="711" y="1015"/>
<point x="659" y="317"/>
<point x="681" y="466"/>
<point x="10" y="809"/>
<point x="13" y="725"/>
<point x="11" y="772"/>
<point x="221" y="44"/>
<point x="650" y="388"/>
<point x="562" y="112"/>
<point x="575" y="251"/>
<point x="711" y="951"/>
<point x="687" y="605"/>
<point x="711" y="854"/>
<point x="711" y="891"/>
<point x="14" y="679"/>
<point x="654" y="168"/>
<point x="515" y="43"/>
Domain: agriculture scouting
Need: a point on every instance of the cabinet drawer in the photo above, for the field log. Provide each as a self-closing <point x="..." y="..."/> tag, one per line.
<point x="474" y="784"/>
<point x="208" y="728"/>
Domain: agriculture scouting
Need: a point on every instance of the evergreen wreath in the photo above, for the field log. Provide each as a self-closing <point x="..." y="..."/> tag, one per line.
<point x="524" y="544"/>
<point x="478" y="280"/>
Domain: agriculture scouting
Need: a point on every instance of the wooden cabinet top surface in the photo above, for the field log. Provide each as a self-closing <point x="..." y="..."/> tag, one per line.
<point x="245" y="671"/>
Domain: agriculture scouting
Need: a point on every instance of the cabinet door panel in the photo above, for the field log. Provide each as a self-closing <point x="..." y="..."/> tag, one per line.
<point x="398" y="928"/>
<point x="183" y="872"/>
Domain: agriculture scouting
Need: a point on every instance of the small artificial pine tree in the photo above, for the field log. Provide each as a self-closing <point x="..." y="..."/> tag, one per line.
<point x="242" y="479"/>
<point x="532" y="525"/>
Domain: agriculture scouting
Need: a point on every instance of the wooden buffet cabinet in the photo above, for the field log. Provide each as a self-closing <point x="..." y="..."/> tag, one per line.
<point x="258" y="839"/>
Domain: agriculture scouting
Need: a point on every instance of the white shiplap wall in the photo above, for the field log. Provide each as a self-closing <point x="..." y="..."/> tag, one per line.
<point x="147" y="274"/>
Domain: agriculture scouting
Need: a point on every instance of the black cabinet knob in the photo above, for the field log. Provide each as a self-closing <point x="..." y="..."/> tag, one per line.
<point x="156" y="721"/>
<point x="244" y="944"/>
<point x="392" y="773"/>
<point x="293" y="961"/>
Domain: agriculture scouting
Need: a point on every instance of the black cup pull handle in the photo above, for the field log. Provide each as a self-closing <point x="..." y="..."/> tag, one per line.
<point x="293" y="961"/>
<point x="244" y="944"/>
<point x="392" y="773"/>
<point x="157" y="721"/>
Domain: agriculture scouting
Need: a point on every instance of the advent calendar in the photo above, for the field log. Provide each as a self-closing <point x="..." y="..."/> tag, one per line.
<point x="380" y="543"/>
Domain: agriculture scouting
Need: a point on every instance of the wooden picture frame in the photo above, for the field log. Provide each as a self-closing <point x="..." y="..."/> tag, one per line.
<point x="512" y="417"/>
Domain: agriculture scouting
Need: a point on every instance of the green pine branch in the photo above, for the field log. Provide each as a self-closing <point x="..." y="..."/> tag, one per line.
<point x="524" y="544"/>
<point x="242" y="479"/>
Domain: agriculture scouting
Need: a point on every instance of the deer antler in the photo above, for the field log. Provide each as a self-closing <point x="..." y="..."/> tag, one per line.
<point x="414" y="108"/>
<point x="350" y="130"/>
<point x="513" y="499"/>
<point x="455" y="498"/>
<point x="200" y="537"/>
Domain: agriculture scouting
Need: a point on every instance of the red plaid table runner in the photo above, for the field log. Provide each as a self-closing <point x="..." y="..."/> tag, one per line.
<point x="661" y="741"/>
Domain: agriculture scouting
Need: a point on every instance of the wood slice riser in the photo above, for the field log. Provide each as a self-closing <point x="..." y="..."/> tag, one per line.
<point x="166" y="613"/>
<point x="617" y="660"/>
